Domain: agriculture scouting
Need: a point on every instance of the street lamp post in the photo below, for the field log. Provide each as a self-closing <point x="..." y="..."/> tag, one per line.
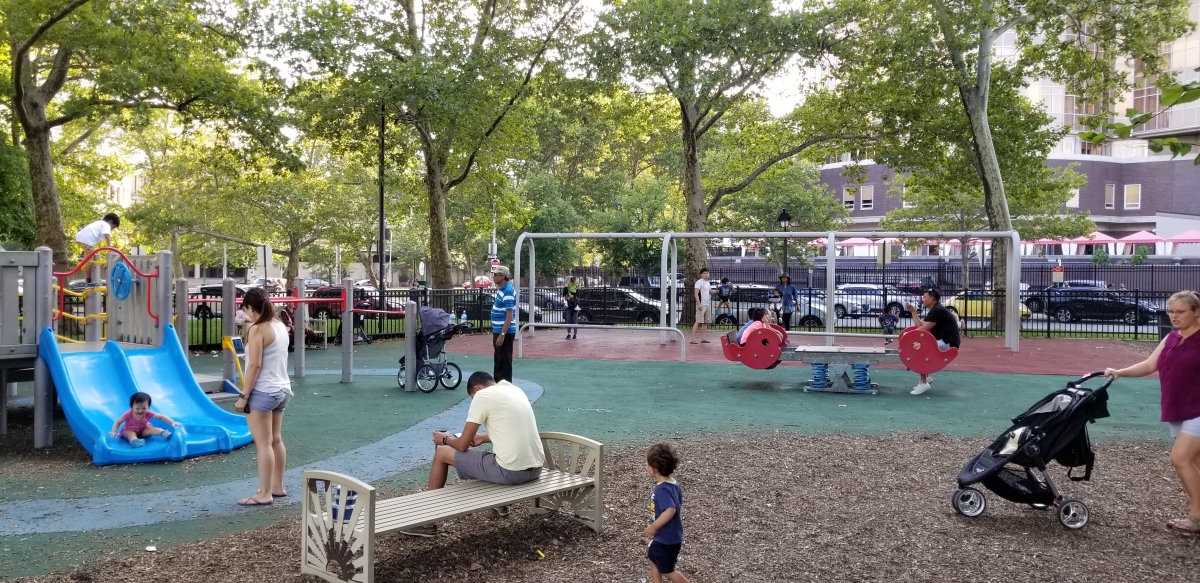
<point x="785" y="223"/>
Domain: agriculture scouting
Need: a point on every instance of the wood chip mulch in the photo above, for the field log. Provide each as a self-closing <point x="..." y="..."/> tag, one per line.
<point x="768" y="507"/>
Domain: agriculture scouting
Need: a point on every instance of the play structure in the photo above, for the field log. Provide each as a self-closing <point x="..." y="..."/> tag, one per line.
<point x="129" y="346"/>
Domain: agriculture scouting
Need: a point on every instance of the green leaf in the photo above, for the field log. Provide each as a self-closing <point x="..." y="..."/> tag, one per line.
<point x="1087" y="136"/>
<point x="1155" y="146"/>
<point x="1189" y="96"/>
<point x="1122" y="131"/>
<point x="1170" y="95"/>
<point x="1140" y="118"/>
<point x="1132" y="112"/>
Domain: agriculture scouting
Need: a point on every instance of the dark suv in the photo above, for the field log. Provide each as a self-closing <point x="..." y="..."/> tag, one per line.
<point x="210" y="291"/>
<point x="1036" y="301"/>
<point x="1096" y="303"/>
<point x="608" y="305"/>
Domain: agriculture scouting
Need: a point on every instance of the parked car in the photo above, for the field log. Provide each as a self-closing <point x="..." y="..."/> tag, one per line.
<point x="481" y="281"/>
<point x="364" y="298"/>
<point x="1079" y="303"/>
<point x="546" y="300"/>
<point x="314" y="283"/>
<point x="809" y="311"/>
<point x="478" y="307"/>
<point x="216" y="290"/>
<point x="610" y="305"/>
<point x="976" y="304"/>
<point x="857" y="299"/>
<point x="79" y="285"/>
<point x="1036" y="301"/>
<point x="271" y="284"/>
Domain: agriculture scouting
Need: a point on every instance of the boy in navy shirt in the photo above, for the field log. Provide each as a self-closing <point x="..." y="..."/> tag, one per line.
<point x="666" y="530"/>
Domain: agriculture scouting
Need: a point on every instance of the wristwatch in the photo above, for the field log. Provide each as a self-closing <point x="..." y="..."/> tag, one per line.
<point x="444" y="440"/>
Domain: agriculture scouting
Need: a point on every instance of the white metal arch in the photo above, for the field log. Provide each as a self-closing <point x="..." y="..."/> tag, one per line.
<point x="1011" y="239"/>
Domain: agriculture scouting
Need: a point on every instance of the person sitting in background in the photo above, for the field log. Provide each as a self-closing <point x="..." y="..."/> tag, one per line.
<point x="765" y="319"/>
<point x="940" y="323"/>
<point x="755" y="315"/>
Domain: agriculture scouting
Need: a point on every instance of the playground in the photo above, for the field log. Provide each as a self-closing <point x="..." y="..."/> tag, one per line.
<point x="781" y="483"/>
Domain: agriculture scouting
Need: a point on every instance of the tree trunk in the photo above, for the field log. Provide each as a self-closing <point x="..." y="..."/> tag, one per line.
<point x="176" y="262"/>
<point x="45" y="191"/>
<point x="696" y="255"/>
<point x="439" y="240"/>
<point x="292" y="271"/>
<point x="995" y="202"/>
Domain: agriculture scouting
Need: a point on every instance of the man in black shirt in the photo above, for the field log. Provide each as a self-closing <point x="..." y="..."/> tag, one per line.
<point x="940" y="322"/>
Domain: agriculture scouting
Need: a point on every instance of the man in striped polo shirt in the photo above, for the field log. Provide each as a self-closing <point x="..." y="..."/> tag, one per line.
<point x="504" y="324"/>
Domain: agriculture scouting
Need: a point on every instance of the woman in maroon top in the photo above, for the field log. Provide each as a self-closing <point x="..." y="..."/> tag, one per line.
<point x="1177" y="362"/>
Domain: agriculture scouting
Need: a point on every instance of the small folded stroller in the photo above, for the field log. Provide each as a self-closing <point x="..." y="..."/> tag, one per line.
<point x="433" y="368"/>
<point x="1014" y="466"/>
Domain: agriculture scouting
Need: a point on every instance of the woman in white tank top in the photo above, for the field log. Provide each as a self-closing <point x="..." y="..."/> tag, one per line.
<point x="265" y="394"/>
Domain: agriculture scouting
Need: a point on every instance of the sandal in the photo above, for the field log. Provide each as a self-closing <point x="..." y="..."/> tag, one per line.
<point x="1189" y="524"/>
<point x="253" y="502"/>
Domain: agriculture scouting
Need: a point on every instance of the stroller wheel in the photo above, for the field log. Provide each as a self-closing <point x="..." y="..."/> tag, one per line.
<point x="969" y="502"/>
<point x="451" y="376"/>
<point x="1040" y="506"/>
<point x="400" y="375"/>
<point x="1073" y="514"/>
<point x="427" y="379"/>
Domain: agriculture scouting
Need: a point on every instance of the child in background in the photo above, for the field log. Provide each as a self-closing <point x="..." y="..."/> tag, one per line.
<point x="137" y="422"/>
<point x="724" y="295"/>
<point x="666" y="530"/>
<point x="887" y="321"/>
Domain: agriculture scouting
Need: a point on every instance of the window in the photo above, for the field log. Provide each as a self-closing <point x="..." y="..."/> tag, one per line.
<point x="1133" y="196"/>
<point x="866" y="200"/>
<point x="848" y="197"/>
<point x="1073" y="202"/>
<point x="904" y="202"/>
<point x="1110" y="196"/>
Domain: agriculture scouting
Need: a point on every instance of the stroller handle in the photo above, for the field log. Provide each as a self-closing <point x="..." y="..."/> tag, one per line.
<point x="1087" y="377"/>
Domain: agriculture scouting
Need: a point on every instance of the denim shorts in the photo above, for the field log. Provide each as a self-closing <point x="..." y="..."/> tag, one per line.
<point x="274" y="402"/>
<point x="1190" y="427"/>
<point x="663" y="556"/>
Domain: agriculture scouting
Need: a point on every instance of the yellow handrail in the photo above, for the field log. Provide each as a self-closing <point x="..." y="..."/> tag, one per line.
<point x="101" y="317"/>
<point x="84" y="293"/>
<point x="65" y="339"/>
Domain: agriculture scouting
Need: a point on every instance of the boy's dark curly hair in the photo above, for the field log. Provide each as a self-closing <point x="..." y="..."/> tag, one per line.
<point x="662" y="458"/>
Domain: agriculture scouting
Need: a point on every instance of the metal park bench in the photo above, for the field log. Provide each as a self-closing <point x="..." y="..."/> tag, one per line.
<point x="341" y="516"/>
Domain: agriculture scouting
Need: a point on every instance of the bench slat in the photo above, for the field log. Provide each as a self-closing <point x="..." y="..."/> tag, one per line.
<point x="458" y="501"/>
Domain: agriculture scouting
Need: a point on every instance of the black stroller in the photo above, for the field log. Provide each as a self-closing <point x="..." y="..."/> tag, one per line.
<point x="434" y="369"/>
<point x="1014" y="466"/>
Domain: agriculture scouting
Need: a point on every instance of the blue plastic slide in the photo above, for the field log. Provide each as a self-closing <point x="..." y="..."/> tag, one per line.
<point x="94" y="387"/>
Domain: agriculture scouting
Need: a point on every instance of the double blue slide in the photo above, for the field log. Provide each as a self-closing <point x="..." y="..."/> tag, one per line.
<point x="94" y="387"/>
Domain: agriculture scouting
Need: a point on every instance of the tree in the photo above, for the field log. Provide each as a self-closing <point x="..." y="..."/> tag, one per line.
<point x="649" y="206"/>
<point x="16" y="220"/>
<point x="1103" y="127"/>
<point x="795" y="186"/>
<point x="944" y="191"/>
<point x="710" y="57"/>
<point x="451" y="72"/>
<point x="73" y="60"/>
<point x="912" y="58"/>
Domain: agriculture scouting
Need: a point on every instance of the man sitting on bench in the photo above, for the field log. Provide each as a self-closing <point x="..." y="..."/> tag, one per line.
<point x="516" y="455"/>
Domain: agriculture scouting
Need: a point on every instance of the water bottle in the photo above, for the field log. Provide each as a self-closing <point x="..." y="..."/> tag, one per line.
<point x="453" y="320"/>
<point x="463" y="318"/>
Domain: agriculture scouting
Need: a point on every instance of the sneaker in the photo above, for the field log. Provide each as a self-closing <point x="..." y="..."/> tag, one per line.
<point x="574" y="338"/>
<point x="920" y="388"/>
<point x="501" y="511"/>
<point x="166" y="434"/>
<point x="568" y="336"/>
<point x="427" y="531"/>
<point x="139" y="442"/>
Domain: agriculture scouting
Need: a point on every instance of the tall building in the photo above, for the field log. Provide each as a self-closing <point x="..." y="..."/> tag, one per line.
<point x="124" y="192"/>
<point x="1129" y="188"/>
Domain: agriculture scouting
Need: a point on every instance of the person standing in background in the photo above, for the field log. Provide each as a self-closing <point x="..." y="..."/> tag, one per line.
<point x="571" y="313"/>
<point x="504" y="324"/>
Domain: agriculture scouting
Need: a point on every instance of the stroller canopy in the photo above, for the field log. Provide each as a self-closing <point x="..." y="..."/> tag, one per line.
<point x="433" y="319"/>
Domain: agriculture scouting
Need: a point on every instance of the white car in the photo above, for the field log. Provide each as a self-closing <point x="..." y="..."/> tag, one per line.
<point x="854" y="300"/>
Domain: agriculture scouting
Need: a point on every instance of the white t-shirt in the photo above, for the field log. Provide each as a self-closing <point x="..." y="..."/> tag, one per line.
<point x="505" y="410"/>
<point x="93" y="233"/>
<point x="705" y="288"/>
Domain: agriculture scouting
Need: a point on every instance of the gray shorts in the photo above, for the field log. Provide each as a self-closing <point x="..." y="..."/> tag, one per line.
<point x="268" y="402"/>
<point x="476" y="464"/>
<point x="1190" y="427"/>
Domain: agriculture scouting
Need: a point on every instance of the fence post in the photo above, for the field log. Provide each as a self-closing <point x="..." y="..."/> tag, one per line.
<point x="348" y="331"/>
<point x="162" y="293"/>
<point x="299" y="324"/>
<point x="1137" y="312"/>
<point x="43" y="385"/>
<point x="181" y="308"/>
<point x="411" y="363"/>
<point x="1046" y="311"/>
<point x="228" y="325"/>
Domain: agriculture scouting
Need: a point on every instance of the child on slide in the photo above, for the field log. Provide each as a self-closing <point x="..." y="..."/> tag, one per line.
<point x="137" y="422"/>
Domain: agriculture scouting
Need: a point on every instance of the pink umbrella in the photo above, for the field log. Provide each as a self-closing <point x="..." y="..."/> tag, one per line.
<point x="1044" y="241"/>
<point x="1142" y="238"/>
<point x="1192" y="236"/>
<point x="1095" y="237"/>
<point x="855" y="242"/>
